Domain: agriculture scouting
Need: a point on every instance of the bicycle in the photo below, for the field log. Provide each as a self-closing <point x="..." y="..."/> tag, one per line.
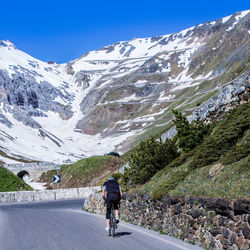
<point x="112" y="225"/>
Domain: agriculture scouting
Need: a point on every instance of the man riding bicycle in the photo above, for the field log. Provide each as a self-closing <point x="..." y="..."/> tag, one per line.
<point x="111" y="193"/>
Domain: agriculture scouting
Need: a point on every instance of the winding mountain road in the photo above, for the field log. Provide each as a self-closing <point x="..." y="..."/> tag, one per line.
<point x="63" y="225"/>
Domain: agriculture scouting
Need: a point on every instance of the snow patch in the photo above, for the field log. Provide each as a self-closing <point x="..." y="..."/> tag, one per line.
<point x="225" y="19"/>
<point x="238" y="18"/>
<point x="33" y="184"/>
<point x="162" y="97"/>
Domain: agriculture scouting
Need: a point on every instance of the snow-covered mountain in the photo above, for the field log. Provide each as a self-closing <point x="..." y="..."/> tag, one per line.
<point x="92" y="105"/>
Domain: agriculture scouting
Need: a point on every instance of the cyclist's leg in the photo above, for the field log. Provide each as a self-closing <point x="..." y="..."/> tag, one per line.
<point x="116" y="207"/>
<point x="108" y="212"/>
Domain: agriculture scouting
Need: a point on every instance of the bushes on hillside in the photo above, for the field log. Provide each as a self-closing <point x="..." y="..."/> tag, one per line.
<point x="237" y="152"/>
<point x="189" y="134"/>
<point x="116" y="175"/>
<point x="151" y="156"/>
<point x="148" y="158"/>
<point x="226" y="142"/>
<point x="224" y="137"/>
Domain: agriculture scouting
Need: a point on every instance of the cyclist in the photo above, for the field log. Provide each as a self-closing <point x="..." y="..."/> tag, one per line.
<point x="111" y="193"/>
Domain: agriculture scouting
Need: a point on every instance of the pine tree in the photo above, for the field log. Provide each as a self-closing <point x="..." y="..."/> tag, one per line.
<point x="149" y="157"/>
<point x="189" y="134"/>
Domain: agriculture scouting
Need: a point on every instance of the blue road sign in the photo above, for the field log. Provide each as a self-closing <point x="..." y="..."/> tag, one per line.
<point x="56" y="178"/>
<point x="57" y="166"/>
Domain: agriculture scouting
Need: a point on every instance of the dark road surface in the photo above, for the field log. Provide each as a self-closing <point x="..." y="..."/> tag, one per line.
<point x="63" y="225"/>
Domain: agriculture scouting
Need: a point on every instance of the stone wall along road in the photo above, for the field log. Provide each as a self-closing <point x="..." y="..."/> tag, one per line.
<point x="213" y="223"/>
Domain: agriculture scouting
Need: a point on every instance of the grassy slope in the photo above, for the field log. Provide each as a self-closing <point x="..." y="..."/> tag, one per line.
<point x="86" y="172"/>
<point x="230" y="181"/>
<point x="219" y="167"/>
<point x="9" y="182"/>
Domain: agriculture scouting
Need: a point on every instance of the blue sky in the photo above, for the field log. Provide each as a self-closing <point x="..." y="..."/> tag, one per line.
<point x="63" y="30"/>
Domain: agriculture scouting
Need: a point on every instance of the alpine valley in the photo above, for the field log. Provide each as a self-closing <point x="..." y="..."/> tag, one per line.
<point x="111" y="98"/>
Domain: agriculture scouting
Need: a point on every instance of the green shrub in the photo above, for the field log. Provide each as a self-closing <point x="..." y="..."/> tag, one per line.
<point x="224" y="136"/>
<point x="148" y="158"/>
<point x="189" y="134"/>
<point x="181" y="159"/>
<point x="117" y="175"/>
<point x="236" y="153"/>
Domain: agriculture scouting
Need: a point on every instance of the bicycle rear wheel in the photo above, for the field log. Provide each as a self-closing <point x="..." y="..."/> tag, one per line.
<point x="111" y="225"/>
<point x="113" y="231"/>
<point x="112" y="221"/>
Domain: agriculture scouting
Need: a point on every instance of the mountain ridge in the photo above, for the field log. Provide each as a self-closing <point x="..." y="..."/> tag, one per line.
<point x="91" y="105"/>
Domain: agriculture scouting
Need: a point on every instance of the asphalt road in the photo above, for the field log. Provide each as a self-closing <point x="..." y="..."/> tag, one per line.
<point x="63" y="225"/>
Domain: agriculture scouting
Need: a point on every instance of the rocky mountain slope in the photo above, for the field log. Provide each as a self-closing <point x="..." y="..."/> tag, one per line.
<point x="95" y="103"/>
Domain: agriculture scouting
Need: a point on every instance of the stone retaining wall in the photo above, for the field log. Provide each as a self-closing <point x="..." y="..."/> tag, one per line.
<point x="212" y="223"/>
<point x="43" y="195"/>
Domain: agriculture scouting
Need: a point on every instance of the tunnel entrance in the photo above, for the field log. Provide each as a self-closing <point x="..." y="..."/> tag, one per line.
<point x="23" y="174"/>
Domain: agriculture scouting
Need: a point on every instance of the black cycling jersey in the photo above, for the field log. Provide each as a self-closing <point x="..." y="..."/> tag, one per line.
<point x="113" y="188"/>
